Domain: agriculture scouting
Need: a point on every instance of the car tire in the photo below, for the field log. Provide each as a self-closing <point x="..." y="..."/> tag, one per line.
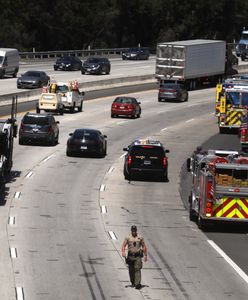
<point x="37" y="110"/>
<point x="113" y="115"/>
<point x="21" y="142"/>
<point x="159" y="99"/>
<point x="80" y="108"/>
<point x="15" y="73"/>
<point x="72" y="110"/>
<point x="61" y="111"/>
<point x="82" y="72"/>
<point x="187" y="98"/>
<point x="57" y="139"/>
<point x="68" y="153"/>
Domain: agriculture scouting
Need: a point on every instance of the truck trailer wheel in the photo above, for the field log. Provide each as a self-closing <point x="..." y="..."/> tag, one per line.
<point x="37" y="109"/>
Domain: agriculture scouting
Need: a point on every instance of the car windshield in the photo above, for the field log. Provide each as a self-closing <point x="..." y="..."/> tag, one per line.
<point x="237" y="98"/>
<point x="169" y="86"/>
<point x="32" y="120"/>
<point x="124" y="100"/>
<point x="244" y="36"/>
<point x="147" y="151"/>
<point x="93" y="60"/>
<point x="62" y="88"/>
<point x="80" y="134"/>
<point x="32" y="74"/>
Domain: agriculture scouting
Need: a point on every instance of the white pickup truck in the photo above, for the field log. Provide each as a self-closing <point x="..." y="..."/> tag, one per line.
<point x="70" y="95"/>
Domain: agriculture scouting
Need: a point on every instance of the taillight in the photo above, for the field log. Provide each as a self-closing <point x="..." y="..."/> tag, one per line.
<point x="114" y="106"/>
<point x="209" y="209"/>
<point x="165" y="162"/>
<point x="130" y="107"/>
<point x="129" y="160"/>
<point x="243" y="134"/>
<point x="50" y="129"/>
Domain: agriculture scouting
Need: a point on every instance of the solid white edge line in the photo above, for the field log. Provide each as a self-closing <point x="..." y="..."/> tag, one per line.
<point x="112" y="235"/>
<point x="29" y="174"/>
<point x="122" y="155"/>
<point x="164" y="129"/>
<point x="103" y="209"/>
<point x="19" y="293"/>
<point x="17" y="195"/>
<point x="13" y="252"/>
<point x="11" y="220"/>
<point x="102" y="188"/>
<point x="229" y="260"/>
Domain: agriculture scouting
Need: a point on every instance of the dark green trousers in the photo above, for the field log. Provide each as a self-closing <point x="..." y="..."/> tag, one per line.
<point x="135" y="266"/>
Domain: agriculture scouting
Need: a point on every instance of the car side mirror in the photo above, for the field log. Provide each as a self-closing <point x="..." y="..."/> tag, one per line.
<point x="139" y="102"/>
<point x="105" y="136"/>
<point x="189" y="164"/>
<point x="82" y="93"/>
<point x="125" y="149"/>
<point x="57" y="122"/>
<point x="70" y="134"/>
<point x="167" y="151"/>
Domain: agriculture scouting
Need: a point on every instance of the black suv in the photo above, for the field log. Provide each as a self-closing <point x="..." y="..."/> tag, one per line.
<point x="146" y="157"/>
<point x="96" y="65"/>
<point x="39" y="128"/>
<point x="68" y="63"/>
<point x="136" y="54"/>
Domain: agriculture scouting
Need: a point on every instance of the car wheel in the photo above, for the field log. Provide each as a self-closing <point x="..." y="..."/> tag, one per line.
<point x="126" y="175"/>
<point x="100" y="71"/>
<point x="113" y="115"/>
<point x="80" y="108"/>
<point x="2" y="74"/>
<point x="61" y="111"/>
<point x="21" y="142"/>
<point x="187" y="98"/>
<point x="15" y="73"/>
<point x="57" y="139"/>
<point x="72" y="110"/>
<point x="82" y="72"/>
<point x="68" y="153"/>
<point x="159" y="99"/>
<point x="165" y="177"/>
<point x="37" y="110"/>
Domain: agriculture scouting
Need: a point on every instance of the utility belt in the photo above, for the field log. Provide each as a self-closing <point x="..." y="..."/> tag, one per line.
<point x="135" y="254"/>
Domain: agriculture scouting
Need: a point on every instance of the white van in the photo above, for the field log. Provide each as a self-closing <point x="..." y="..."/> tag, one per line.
<point x="9" y="62"/>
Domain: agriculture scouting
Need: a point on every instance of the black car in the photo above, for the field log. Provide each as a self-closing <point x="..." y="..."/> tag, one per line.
<point x="33" y="80"/>
<point x="86" y="141"/>
<point x="172" y="91"/>
<point x="136" y="54"/>
<point x="38" y="128"/>
<point x="146" y="157"/>
<point x="96" y="65"/>
<point x="68" y="63"/>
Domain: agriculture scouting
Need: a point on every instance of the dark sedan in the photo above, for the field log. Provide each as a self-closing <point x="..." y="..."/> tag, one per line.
<point x="68" y="63"/>
<point x="172" y="91"/>
<point x="85" y="141"/>
<point x="136" y="54"/>
<point x="96" y="65"/>
<point x="33" y="80"/>
<point x="126" y="106"/>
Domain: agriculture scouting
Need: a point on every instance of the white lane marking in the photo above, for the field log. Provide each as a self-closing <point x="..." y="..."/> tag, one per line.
<point x="122" y="122"/>
<point x="122" y="155"/>
<point x="102" y="188"/>
<point x="47" y="158"/>
<point x="11" y="220"/>
<point x="17" y="195"/>
<point x="164" y="129"/>
<point x="112" y="235"/>
<point x="103" y="209"/>
<point x="19" y="293"/>
<point x="13" y="253"/>
<point x="229" y="260"/>
<point x="29" y="174"/>
<point x="111" y="170"/>
<point x="190" y="120"/>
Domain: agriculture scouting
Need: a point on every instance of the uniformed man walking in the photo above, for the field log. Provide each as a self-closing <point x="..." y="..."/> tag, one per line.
<point x="136" y="250"/>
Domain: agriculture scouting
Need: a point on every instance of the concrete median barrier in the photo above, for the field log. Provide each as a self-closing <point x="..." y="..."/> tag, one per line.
<point x="32" y="95"/>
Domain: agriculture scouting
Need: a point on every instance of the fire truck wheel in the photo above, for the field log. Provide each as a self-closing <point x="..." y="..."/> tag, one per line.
<point x="222" y="130"/>
<point x="201" y="223"/>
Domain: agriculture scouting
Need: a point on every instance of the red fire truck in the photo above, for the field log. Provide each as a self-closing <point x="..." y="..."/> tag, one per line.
<point x="219" y="187"/>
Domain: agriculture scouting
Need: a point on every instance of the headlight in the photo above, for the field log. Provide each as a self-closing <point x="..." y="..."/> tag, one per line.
<point x="68" y="65"/>
<point x="133" y="54"/>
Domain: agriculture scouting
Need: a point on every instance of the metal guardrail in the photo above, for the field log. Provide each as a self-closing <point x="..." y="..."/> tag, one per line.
<point x="111" y="52"/>
<point x="80" y="53"/>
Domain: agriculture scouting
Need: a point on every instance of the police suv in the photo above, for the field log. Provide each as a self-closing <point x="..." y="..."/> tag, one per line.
<point x="146" y="157"/>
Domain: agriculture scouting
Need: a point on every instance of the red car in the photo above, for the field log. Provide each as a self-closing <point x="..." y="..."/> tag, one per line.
<point x="126" y="106"/>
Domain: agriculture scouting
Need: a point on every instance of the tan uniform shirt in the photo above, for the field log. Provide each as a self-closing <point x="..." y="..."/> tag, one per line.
<point x="134" y="243"/>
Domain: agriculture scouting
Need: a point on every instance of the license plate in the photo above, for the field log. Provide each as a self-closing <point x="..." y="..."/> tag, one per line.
<point x="147" y="162"/>
<point x="122" y="107"/>
<point x="88" y="70"/>
<point x="83" y="147"/>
